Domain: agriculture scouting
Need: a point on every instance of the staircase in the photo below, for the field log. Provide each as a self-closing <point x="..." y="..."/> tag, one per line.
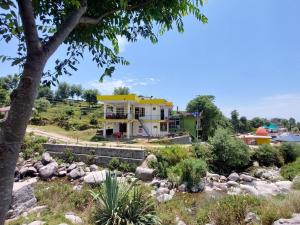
<point x="144" y="127"/>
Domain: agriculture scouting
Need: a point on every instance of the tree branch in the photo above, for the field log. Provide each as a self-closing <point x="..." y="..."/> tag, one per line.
<point x="95" y="21"/>
<point x="65" y="29"/>
<point x="30" y="32"/>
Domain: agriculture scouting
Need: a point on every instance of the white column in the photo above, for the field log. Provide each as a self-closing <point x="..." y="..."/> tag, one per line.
<point x="168" y="127"/>
<point x="128" y="133"/>
<point x="128" y="111"/>
<point x="104" y="130"/>
<point x="104" y="110"/>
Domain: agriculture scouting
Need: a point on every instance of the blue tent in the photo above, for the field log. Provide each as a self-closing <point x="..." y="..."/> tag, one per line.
<point x="288" y="138"/>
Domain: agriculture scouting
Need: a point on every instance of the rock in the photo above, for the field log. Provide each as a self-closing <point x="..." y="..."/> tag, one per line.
<point x="198" y="188"/>
<point x="28" y="171"/>
<point x="38" y="209"/>
<point x="162" y="190"/>
<point x="265" y="188"/>
<point x="293" y="221"/>
<point x="37" y="222"/>
<point x="87" y="169"/>
<point x="81" y="164"/>
<point x="151" y="159"/>
<point x="73" y="218"/>
<point x="255" y="164"/>
<point x="38" y="165"/>
<point x="46" y="158"/>
<point x="77" y="188"/>
<point x="233" y="177"/>
<point x="62" y="173"/>
<point x="96" y="177"/>
<point x="213" y="176"/>
<point x="48" y="171"/>
<point x="183" y="187"/>
<point x="232" y="184"/>
<point x="246" y="178"/>
<point x="164" y="198"/>
<point x="249" y="189"/>
<point x="144" y="174"/>
<point x="155" y="183"/>
<point x="221" y="186"/>
<point x="71" y="167"/>
<point x="93" y="167"/>
<point x="252" y="218"/>
<point x="179" y="221"/>
<point x="284" y="186"/>
<point x="222" y="179"/>
<point x="76" y="173"/>
<point x="23" y="198"/>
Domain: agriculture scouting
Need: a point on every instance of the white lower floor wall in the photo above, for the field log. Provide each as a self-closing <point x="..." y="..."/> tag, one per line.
<point x="135" y="129"/>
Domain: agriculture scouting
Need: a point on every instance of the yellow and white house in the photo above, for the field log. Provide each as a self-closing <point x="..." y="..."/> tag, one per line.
<point x="132" y="115"/>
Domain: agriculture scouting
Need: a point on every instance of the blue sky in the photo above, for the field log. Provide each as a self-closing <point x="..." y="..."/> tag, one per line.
<point x="248" y="56"/>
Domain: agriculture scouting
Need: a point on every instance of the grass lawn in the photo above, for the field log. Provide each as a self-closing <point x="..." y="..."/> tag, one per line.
<point x="83" y="135"/>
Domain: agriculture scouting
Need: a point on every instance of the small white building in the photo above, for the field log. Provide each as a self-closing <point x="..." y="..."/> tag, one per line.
<point x="132" y="115"/>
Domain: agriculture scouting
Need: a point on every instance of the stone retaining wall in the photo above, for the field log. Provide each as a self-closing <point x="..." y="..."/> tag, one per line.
<point x="101" y="155"/>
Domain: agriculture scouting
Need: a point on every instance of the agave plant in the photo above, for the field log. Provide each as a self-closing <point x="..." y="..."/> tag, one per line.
<point x="120" y="204"/>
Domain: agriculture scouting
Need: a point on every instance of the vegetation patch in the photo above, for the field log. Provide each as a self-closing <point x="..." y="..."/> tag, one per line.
<point x="291" y="170"/>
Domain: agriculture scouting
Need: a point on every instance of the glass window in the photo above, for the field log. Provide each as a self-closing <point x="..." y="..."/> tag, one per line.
<point x="163" y="127"/>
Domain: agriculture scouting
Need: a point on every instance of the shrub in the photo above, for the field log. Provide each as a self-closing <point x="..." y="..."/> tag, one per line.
<point x="127" y="167"/>
<point x="267" y="155"/>
<point x="190" y="170"/>
<point x="42" y="104"/>
<point x="114" y="164"/>
<point x="228" y="210"/>
<point x="205" y="152"/>
<point x="168" y="157"/>
<point x="122" y="205"/>
<point x="289" y="171"/>
<point x="68" y="156"/>
<point x="33" y="144"/>
<point x="93" y="121"/>
<point x="230" y="152"/>
<point x="69" y="111"/>
<point x="290" y="152"/>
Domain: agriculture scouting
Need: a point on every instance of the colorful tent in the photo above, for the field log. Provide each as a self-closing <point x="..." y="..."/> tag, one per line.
<point x="272" y="127"/>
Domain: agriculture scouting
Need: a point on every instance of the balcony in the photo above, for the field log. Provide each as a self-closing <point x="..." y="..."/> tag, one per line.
<point x="116" y="116"/>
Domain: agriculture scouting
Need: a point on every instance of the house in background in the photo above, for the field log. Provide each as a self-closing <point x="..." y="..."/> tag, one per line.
<point x="132" y="115"/>
<point x="261" y="137"/>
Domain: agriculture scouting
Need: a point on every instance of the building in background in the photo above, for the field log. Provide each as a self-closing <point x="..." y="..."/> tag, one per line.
<point x="132" y="115"/>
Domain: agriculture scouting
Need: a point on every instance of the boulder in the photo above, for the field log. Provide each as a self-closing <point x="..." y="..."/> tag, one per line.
<point x="249" y="189"/>
<point x="232" y="184"/>
<point x="212" y="176"/>
<point x="221" y="186"/>
<point x="46" y="158"/>
<point x="252" y="218"/>
<point x="38" y="165"/>
<point x="73" y="218"/>
<point x="151" y="159"/>
<point x="71" y="167"/>
<point x="233" y="177"/>
<point x="144" y="174"/>
<point x="96" y="177"/>
<point x="183" y="187"/>
<point x="292" y="221"/>
<point x="284" y="186"/>
<point x="162" y="190"/>
<point x="93" y="167"/>
<point x="28" y="171"/>
<point x="62" y="173"/>
<point x="246" y="178"/>
<point x="164" y="198"/>
<point x="48" y="171"/>
<point x="23" y="198"/>
<point x="76" y="173"/>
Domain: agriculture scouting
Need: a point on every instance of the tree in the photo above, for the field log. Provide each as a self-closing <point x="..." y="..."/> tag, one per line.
<point x="63" y="91"/>
<point x="244" y="125"/>
<point x="9" y="82"/>
<point x="212" y="117"/>
<point x="257" y="122"/>
<point x="45" y="92"/>
<point x="3" y="97"/>
<point x="82" y="25"/>
<point x="292" y="123"/>
<point x="75" y="90"/>
<point x="41" y="105"/>
<point x="121" y="91"/>
<point x="235" y="121"/>
<point x="90" y="96"/>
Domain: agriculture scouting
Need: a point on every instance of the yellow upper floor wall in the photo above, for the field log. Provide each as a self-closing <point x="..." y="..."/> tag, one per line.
<point x="134" y="98"/>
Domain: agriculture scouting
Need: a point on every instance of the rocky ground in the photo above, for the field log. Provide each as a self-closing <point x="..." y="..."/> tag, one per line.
<point x="264" y="182"/>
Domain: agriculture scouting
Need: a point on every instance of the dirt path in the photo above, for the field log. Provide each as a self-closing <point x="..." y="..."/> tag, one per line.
<point x="68" y="140"/>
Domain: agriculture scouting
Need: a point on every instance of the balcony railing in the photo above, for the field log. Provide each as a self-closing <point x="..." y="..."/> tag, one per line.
<point x="116" y="116"/>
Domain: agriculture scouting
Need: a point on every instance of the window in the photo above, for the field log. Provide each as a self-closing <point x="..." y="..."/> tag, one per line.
<point x="154" y="108"/>
<point x="163" y="127"/>
<point x="120" y="111"/>
<point x="155" y="127"/>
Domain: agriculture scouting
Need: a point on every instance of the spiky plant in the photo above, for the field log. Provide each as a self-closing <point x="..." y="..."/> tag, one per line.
<point x="123" y="205"/>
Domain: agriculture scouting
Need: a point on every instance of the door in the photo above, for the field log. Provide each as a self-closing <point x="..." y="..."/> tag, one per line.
<point x="162" y="114"/>
<point x="123" y="127"/>
<point x="137" y="113"/>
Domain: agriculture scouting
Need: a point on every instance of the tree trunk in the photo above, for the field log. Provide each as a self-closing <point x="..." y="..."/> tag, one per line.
<point x="13" y="129"/>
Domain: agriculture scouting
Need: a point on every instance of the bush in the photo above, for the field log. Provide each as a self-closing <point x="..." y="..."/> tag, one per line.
<point x="93" y="121"/>
<point x="31" y="145"/>
<point x="114" y="164"/>
<point x="121" y="205"/>
<point x="68" y="156"/>
<point x="230" y="152"/>
<point x="127" y="167"/>
<point x="267" y="155"/>
<point x="69" y="111"/>
<point x="290" y="152"/>
<point x="190" y="170"/>
<point x="42" y="104"/>
<point x="289" y="171"/>
<point x="204" y="152"/>
<point x="168" y="157"/>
